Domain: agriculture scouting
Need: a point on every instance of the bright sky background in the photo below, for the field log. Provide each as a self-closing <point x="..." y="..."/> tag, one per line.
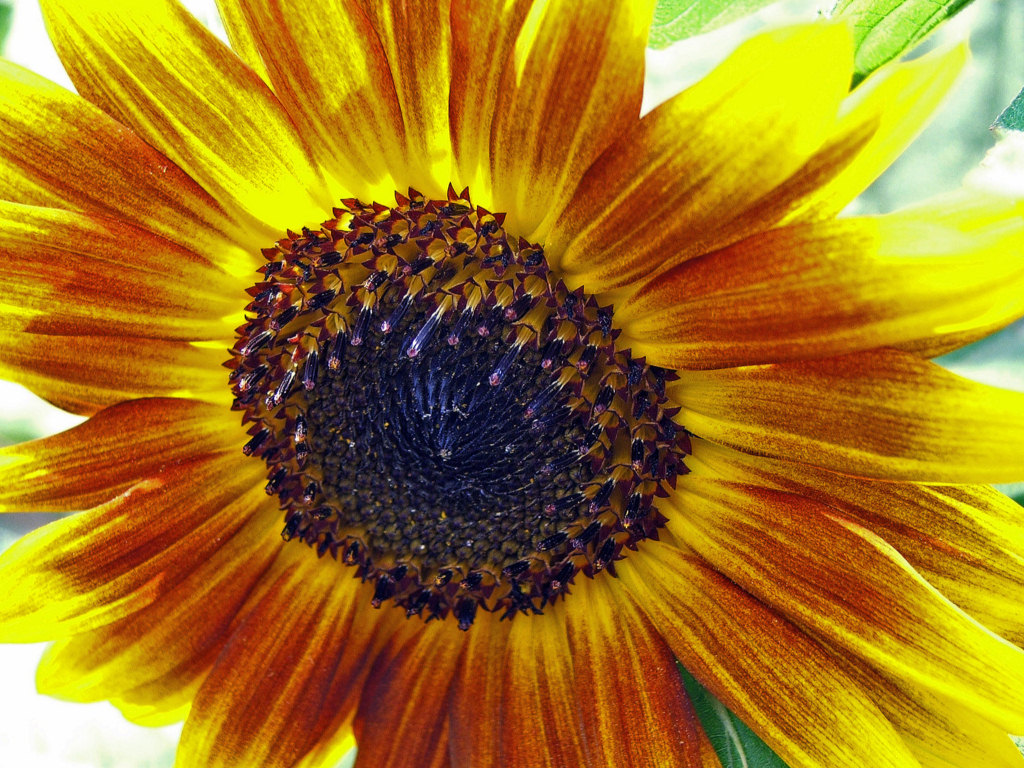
<point x="38" y="732"/>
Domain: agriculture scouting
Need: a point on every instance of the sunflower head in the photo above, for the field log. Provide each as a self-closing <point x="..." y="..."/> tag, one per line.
<point x="437" y="408"/>
<point x="634" y="397"/>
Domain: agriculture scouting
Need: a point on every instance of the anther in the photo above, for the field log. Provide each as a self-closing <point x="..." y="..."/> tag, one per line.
<point x="257" y="440"/>
<point x="501" y="369"/>
<point x="584" y="537"/>
<point x="321" y="300"/>
<point x="425" y="333"/>
<point x="459" y="329"/>
<point x="555" y="540"/>
<point x="396" y="316"/>
<point x="465" y="612"/>
<point x="309" y="371"/>
<point x="602" y="496"/>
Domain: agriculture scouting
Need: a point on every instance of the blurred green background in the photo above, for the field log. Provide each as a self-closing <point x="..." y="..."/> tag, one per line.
<point x="37" y="732"/>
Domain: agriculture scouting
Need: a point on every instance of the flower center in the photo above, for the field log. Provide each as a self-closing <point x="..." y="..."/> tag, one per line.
<point x="437" y="409"/>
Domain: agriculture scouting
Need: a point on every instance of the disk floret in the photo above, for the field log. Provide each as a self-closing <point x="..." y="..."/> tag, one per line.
<point x="438" y="410"/>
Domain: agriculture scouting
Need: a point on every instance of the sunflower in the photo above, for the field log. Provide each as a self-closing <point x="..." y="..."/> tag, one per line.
<point x="438" y="400"/>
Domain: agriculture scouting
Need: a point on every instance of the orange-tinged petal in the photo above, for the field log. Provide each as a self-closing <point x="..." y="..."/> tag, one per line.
<point x="897" y="101"/>
<point x="478" y="697"/>
<point x="541" y="719"/>
<point x="966" y="540"/>
<point x="572" y="85"/>
<point x="343" y="99"/>
<point x="71" y="274"/>
<point x="779" y="681"/>
<point x="296" y="662"/>
<point x="883" y="414"/>
<point x="154" y="67"/>
<point x="938" y="732"/>
<point x="847" y="585"/>
<point x="483" y="38"/>
<point x="416" y="41"/>
<point x="634" y="705"/>
<point x="84" y="374"/>
<point x="831" y="288"/>
<point x="95" y="461"/>
<point x="84" y="571"/>
<point x="241" y="37"/>
<point x="402" y="720"/>
<point x="62" y="152"/>
<point x="148" y="658"/>
<point x="666" y="190"/>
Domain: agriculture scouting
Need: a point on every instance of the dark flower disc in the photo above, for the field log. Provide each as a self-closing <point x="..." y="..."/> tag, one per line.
<point x="437" y="409"/>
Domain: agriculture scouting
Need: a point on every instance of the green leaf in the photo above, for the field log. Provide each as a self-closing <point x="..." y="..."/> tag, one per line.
<point x="736" y="745"/>
<point x="884" y="29"/>
<point x="679" y="19"/>
<point x="1012" y="118"/>
<point x="6" y="13"/>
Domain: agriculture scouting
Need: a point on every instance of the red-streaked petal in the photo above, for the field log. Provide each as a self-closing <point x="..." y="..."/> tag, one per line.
<point x="779" y="681"/>
<point x="662" y="191"/>
<point x="966" y="540"/>
<point x="541" y="720"/>
<point x="241" y="37"/>
<point x="478" y="697"/>
<point x="342" y="101"/>
<point x="832" y="288"/>
<point x="883" y="414"/>
<point x="634" y="706"/>
<point x="150" y="658"/>
<point x="848" y="586"/>
<point x="95" y="461"/>
<point x="289" y="670"/>
<point x="416" y="40"/>
<point x="72" y="274"/>
<point x="85" y="571"/>
<point x="938" y="731"/>
<point x="62" y="152"/>
<point x="402" y="720"/>
<point x="84" y="374"/>
<point x="154" y="67"/>
<point x="572" y="85"/>
<point x="483" y="38"/>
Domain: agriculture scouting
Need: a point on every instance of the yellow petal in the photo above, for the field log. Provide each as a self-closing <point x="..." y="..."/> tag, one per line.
<point x="883" y="414"/>
<point x="151" y="660"/>
<point x="152" y="66"/>
<point x="483" y="37"/>
<point x="81" y="274"/>
<point x="84" y="571"/>
<point x="62" y="152"/>
<point x="95" y="461"/>
<point x="402" y="720"/>
<point x="848" y="586"/>
<point x="775" y="678"/>
<point x="341" y="99"/>
<point x="84" y="374"/>
<point x="416" y="40"/>
<point x="302" y="651"/>
<point x="541" y="713"/>
<point x="831" y="288"/>
<point x="478" y="696"/>
<point x="619" y="657"/>
<point x="572" y="85"/>
<point x="682" y="181"/>
<point x="241" y="36"/>
<point x="896" y="101"/>
<point x="966" y="540"/>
